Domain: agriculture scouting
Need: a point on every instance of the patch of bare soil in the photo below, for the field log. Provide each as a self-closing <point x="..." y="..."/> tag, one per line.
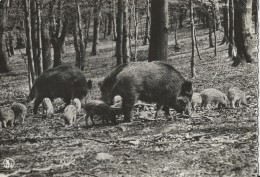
<point x="210" y="143"/>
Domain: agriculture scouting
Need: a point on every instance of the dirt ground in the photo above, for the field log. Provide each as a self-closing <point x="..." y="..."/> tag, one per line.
<point x="214" y="142"/>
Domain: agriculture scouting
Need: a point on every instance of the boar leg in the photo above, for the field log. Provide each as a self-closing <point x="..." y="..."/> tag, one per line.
<point x="36" y="104"/>
<point x="127" y="107"/>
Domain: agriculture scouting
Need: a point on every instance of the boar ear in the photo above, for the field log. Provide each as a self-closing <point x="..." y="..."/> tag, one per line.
<point x="89" y="84"/>
<point x="187" y="87"/>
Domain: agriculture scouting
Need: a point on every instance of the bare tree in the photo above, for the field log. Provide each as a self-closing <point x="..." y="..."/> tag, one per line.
<point x="125" y="44"/>
<point x="58" y="34"/>
<point x="39" y="45"/>
<point x="147" y="23"/>
<point x="46" y="43"/>
<point x="225" y="21"/>
<point x="135" y="18"/>
<point x="4" y="60"/>
<point x="31" y="70"/>
<point x="158" y="48"/>
<point x="231" y="46"/>
<point x="243" y="22"/>
<point x="193" y="70"/>
<point x="97" y="16"/>
<point x="119" y="29"/>
<point x="79" y="44"/>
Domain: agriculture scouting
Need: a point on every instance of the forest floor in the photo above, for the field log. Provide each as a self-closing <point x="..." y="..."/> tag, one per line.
<point x="211" y="143"/>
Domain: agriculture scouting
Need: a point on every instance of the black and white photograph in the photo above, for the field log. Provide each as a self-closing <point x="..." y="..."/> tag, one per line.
<point x="129" y="88"/>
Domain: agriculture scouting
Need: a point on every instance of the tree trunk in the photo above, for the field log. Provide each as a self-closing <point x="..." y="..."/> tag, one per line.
<point x="158" y="48"/>
<point x="57" y="44"/>
<point x="76" y="42"/>
<point x="4" y="60"/>
<point x="231" y="47"/>
<point x="225" y="21"/>
<point x="105" y="27"/>
<point x="210" y="31"/>
<point x="243" y="37"/>
<point x="88" y="28"/>
<point x="11" y="42"/>
<point x="175" y="33"/>
<point x="31" y="69"/>
<point x="147" y="23"/>
<point x="193" y="70"/>
<point x="110" y="24"/>
<point x="114" y="21"/>
<point x="119" y="27"/>
<point x="255" y="8"/>
<point x="181" y="15"/>
<point x="217" y="16"/>
<point x="81" y="41"/>
<point x="135" y="27"/>
<point x="97" y="15"/>
<point x="7" y="48"/>
<point x="34" y="36"/>
<point x="39" y="45"/>
<point x="213" y="11"/>
<point x="46" y="44"/>
<point x="57" y="37"/>
<point x="125" y="44"/>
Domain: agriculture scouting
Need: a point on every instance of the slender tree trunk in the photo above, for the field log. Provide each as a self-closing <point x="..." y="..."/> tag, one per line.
<point x="175" y="33"/>
<point x="31" y="70"/>
<point x="11" y="43"/>
<point x="81" y="41"/>
<point x="39" y="32"/>
<point x="135" y="27"/>
<point x="110" y="24"/>
<point x="158" y="48"/>
<point x="243" y="37"/>
<point x="119" y="30"/>
<point x="34" y="37"/>
<point x="225" y="21"/>
<point x="181" y="15"/>
<point x="76" y="42"/>
<point x="4" y="60"/>
<point x="231" y="47"/>
<point x="97" y="15"/>
<point x="114" y="21"/>
<point x="105" y="27"/>
<point x="88" y="28"/>
<point x="256" y="15"/>
<point x="213" y="10"/>
<point x="7" y="48"/>
<point x="125" y="44"/>
<point x="46" y="44"/>
<point x="147" y="23"/>
<point x="193" y="70"/>
<point x="217" y="16"/>
<point x="210" y="31"/>
<point x="130" y="35"/>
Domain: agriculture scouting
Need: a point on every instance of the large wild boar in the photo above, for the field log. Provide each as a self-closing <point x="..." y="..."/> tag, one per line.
<point x="64" y="81"/>
<point x="150" y="82"/>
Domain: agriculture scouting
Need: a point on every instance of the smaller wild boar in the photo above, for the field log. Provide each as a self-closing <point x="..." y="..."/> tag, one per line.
<point x="212" y="95"/>
<point x="47" y="108"/>
<point x="7" y="116"/>
<point x="77" y="103"/>
<point x="196" y="100"/>
<point x="101" y="109"/>
<point x="19" y="110"/>
<point x="70" y="115"/>
<point x="236" y="97"/>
